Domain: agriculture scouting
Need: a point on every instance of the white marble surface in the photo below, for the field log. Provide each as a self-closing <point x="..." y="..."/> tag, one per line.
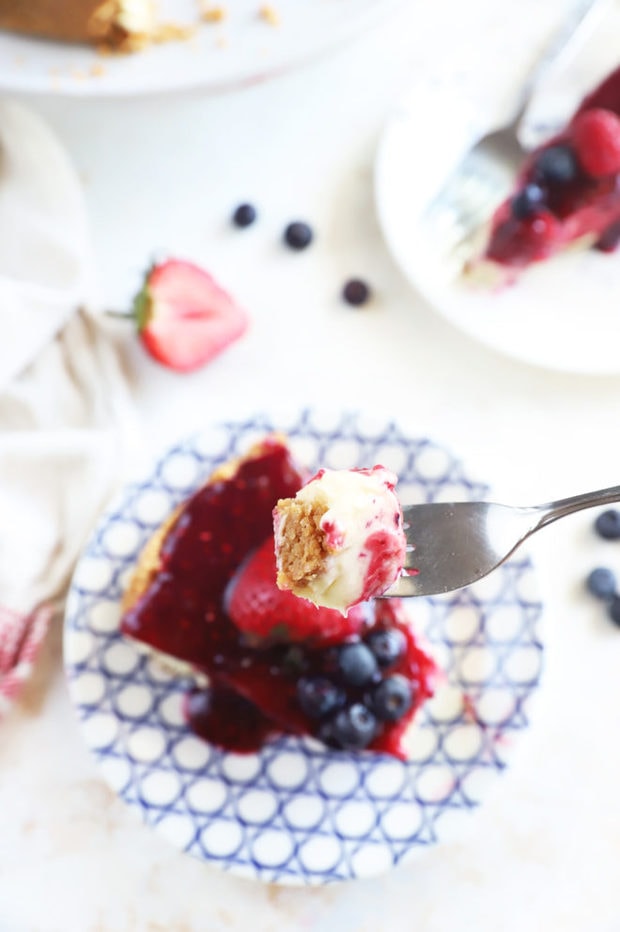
<point x="161" y="176"/>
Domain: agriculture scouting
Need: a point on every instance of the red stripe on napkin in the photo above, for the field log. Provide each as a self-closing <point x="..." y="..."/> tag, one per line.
<point x="21" y="637"/>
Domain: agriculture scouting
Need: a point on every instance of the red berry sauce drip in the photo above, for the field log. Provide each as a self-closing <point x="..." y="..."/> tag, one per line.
<point x="252" y="692"/>
<point x="226" y="719"/>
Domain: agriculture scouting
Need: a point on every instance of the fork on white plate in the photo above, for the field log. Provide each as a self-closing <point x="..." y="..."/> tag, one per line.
<point x="485" y="175"/>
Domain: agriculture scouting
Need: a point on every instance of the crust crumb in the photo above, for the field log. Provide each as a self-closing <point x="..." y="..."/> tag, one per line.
<point x="211" y="13"/>
<point x="269" y="14"/>
<point x="301" y="542"/>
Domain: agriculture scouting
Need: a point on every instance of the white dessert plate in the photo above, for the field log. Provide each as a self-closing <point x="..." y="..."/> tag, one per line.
<point x="297" y="812"/>
<point x="561" y="315"/>
<point x="242" y="49"/>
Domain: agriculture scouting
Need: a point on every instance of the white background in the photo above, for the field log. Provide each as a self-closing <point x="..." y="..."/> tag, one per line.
<point x="161" y="177"/>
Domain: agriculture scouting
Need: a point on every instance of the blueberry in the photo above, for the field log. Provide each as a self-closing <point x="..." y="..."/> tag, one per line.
<point x="318" y="696"/>
<point x="357" y="664"/>
<point x="556" y="165"/>
<point x="244" y="215"/>
<point x="607" y="524"/>
<point x="356" y="292"/>
<point x="326" y="734"/>
<point x="614" y="610"/>
<point x="392" y="698"/>
<point x="354" y="727"/>
<point x="387" y="644"/>
<point x="527" y="201"/>
<point x="601" y="582"/>
<point x="298" y="235"/>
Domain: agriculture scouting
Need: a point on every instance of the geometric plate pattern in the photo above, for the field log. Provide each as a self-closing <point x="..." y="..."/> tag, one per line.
<point x="296" y="812"/>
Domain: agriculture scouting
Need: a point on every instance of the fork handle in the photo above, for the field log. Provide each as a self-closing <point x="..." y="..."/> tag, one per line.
<point x="553" y="52"/>
<point x="568" y="506"/>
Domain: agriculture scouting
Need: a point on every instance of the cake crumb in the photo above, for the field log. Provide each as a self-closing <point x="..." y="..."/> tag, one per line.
<point x="302" y="549"/>
<point x="211" y="13"/>
<point x="96" y="70"/>
<point x="269" y="14"/>
<point x="172" y="32"/>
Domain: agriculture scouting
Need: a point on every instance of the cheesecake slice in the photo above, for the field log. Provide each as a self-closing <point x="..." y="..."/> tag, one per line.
<point x="566" y="194"/>
<point x="204" y="596"/>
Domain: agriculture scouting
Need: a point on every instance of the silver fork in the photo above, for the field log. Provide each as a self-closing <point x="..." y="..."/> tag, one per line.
<point x="451" y="545"/>
<point x="485" y="175"/>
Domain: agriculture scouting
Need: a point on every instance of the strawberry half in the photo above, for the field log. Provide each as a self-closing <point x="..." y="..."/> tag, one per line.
<point x="184" y="318"/>
<point x="259" y="609"/>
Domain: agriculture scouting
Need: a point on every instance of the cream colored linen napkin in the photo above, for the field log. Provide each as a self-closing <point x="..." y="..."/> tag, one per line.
<point x="66" y="416"/>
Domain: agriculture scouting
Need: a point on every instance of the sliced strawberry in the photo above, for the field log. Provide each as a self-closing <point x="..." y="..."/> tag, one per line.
<point x="261" y="610"/>
<point x="184" y="318"/>
<point x="596" y="140"/>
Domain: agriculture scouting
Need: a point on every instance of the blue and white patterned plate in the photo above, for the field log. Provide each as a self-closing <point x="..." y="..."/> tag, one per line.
<point x="298" y="813"/>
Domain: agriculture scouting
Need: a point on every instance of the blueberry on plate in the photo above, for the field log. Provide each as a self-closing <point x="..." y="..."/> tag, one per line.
<point x="318" y="696"/>
<point x="357" y="664"/>
<point x="387" y="644"/>
<point x="354" y="727"/>
<point x="244" y="215"/>
<point x="601" y="583"/>
<point x="298" y="235"/>
<point x="607" y="524"/>
<point x="556" y="165"/>
<point x="356" y="292"/>
<point x="392" y="698"/>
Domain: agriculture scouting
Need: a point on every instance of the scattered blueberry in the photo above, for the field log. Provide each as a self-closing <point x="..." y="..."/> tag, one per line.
<point x="387" y="644"/>
<point x="614" y="610"/>
<point x="356" y="292"/>
<point x="298" y="235"/>
<point x="601" y="582"/>
<point x="357" y="664"/>
<point x="527" y="201"/>
<point x="354" y="727"/>
<point x="318" y="696"/>
<point x="392" y="698"/>
<point x="244" y="215"/>
<point x="556" y="165"/>
<point x="607" y="524"/>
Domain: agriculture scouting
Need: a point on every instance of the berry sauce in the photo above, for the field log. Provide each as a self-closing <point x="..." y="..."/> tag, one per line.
<point x="568" y="205"/>
<point x="253" y="690"/>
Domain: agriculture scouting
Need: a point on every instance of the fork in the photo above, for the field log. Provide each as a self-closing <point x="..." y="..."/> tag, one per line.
<point x="485" y="175"/>
<point x="451" y="545"/>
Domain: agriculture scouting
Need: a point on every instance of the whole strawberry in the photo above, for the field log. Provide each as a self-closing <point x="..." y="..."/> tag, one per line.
<point x="265" y="613"/>
<point x="183" y="317"/>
